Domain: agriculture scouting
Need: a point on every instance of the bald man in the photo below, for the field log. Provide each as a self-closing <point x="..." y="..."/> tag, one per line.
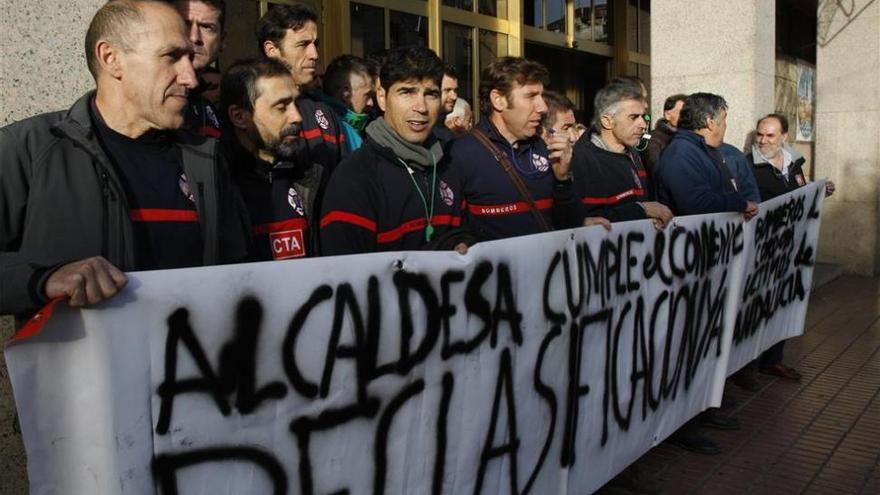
<point x="109" y="185"/>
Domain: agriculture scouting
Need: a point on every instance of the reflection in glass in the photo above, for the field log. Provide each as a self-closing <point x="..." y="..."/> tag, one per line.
<point x="645" y="27"/>
<point x="460" y="4"/>
<point x="583" y="19"/>
<point x="601" y="21"/>
<point x="492" y="45"/>
<point x="458" y="44"/>
<point x="533" y="13"/>
<point x="632" y="25"/>
<point x="408" y="29"/>
<point x="495" y="8"/>
<point x="556" y="16"/>
<point x="367" y="29"/>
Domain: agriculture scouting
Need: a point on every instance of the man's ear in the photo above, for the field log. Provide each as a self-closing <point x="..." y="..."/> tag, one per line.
<point x="239" y="117"/>
<point x="606" y="121"/>
<point x="107" y="56"/>
<point x="498" y="100"/>
<point x="271" y="50"/>
<point x="710" y="124"/>
<point x="380" y="98"/>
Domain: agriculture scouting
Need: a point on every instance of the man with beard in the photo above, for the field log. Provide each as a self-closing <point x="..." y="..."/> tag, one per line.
<point x="205" y="25"/>
<point x="608" y="171"/>
<point x="110" y="185"/>
<point x="778" y="170"/>
<point x="280" y="186"/>
<point x="448" y="97"/>
<point x="398" y="191"/>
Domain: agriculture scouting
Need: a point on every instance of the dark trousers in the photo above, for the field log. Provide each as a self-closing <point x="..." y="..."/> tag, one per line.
<point x="772" y="355"/>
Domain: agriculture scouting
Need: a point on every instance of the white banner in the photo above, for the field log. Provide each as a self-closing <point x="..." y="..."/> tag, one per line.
<point x="776" y="285"/>
<point x="540" y="364"/>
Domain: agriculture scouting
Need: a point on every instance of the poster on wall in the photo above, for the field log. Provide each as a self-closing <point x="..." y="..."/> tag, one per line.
<point x="806" y="100"/>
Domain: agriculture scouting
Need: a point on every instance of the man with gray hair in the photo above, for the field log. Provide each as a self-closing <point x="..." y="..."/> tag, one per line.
<point x="607" y="169"/>
<point x="691" y="174"/>
<point x="110" y="185"/>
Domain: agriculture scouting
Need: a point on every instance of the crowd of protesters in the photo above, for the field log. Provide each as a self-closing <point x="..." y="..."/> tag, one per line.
<point x="167" y="163"/>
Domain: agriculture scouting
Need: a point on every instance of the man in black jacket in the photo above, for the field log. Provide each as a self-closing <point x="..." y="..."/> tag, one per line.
<point x="397" y="191"/>
<point x="280" y="186"/>
<point x="108" y="185"/>
<point x="778" y="170"/>
<point x="205" y="21"/>
<point x="608" y="172"/>
<point x="663" y="131"/>
<point x="289" y="33"/>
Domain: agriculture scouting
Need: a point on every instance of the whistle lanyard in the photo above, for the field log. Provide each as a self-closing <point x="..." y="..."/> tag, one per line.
<point x="429" y="213"/>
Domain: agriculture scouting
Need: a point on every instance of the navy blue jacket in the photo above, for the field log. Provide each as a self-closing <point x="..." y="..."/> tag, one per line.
<point x="740" y="168"/>
<point x="495" y="209"/>
<point x="692" y="178"/>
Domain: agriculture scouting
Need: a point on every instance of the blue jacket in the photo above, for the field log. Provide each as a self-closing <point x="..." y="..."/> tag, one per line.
<point x="740" y="168"/>
<point x="693" y="180"/>
<point x="495" y="209"/>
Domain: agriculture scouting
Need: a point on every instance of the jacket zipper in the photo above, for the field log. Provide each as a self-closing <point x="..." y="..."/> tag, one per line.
<point x="203" y="219"/>
<point x="105" y="216"/>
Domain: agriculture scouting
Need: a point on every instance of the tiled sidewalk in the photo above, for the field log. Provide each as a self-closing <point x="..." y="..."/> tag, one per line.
<point x="821" y="435"/>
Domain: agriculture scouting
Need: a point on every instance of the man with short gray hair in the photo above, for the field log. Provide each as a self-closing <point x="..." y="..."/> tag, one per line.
<point x="607" y="169"/>
<point x="461" y="118"/>
<point x="691" y="174"/>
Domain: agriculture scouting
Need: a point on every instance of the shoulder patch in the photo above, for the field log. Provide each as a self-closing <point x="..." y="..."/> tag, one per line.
<point x="322" y="119"/>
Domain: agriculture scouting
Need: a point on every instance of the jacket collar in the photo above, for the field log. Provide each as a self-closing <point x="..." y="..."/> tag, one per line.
<point x="692" y="137"/>
<point x="758" y="158"/>
<point x="490" y="130"/>
<point x="77" y="125"/>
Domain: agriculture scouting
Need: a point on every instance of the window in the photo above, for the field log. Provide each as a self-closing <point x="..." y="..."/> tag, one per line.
<point x="545" y="14"/>
<point x="408" y="29"/>
<point x="638" y="26"/>
<point x="492" y="46"/>
<point x="494" y="8"/>
<point x="367" y="29"/>
<point x="458" y="48"/>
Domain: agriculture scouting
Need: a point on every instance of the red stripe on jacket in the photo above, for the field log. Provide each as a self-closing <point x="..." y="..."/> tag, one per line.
<point x="350" y="218"/>
<point x="416" y="225"/>
<point x="610" y="200"/>
<point x="313" y="133"/>
<point x="163" y="215"/>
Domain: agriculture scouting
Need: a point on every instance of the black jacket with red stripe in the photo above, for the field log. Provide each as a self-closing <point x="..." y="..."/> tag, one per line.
<point x="201" y="118"/>
<point x="609" y="184"/>
<point x="371" y="204"/>
<point x="495" y="209"/>
<point x="324" y="137"/>
<point x="281" y="200"/>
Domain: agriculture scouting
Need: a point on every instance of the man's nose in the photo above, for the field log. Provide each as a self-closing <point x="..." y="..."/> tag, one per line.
<point x="186" y="75"/>
<point x="195" y="35"/>
<point x="293" y="115"/>
<point x="312" y="51"/>
<point x="541" y="105"/>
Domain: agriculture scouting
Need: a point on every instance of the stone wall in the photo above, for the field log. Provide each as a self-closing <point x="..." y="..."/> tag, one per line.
<point x="848" y="131"/>
<point x="42" y="57"/>
<point x="725" y="47"/>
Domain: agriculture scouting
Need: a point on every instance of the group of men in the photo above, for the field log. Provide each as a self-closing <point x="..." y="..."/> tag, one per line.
<point x="154" y="170"/>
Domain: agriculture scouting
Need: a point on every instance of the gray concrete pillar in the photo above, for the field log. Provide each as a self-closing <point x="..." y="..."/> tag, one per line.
<point x="725" y="47"/>
<point x="848" y="131"/>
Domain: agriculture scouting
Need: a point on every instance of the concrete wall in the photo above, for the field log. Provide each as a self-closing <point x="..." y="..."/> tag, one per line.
<point x="42" y="58"/>
<point x="725" y="47"/>
<point x="848" y="132"/>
